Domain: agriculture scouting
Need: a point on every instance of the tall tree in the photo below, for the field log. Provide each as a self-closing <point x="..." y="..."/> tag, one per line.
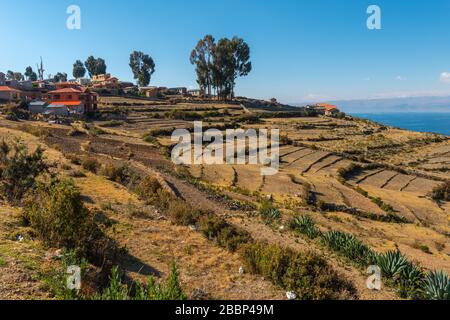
<point x="33" y="76"/>
<point x="242" y="65"/>
<point x="78" y="69"/>
<point x="142" y="66"/>
<point x="95" y="66"/>
<point x="91" y="65"/>
<point x="28" y="72"/>
<point x="10" y="75"/>
<point x="202" y="57"/>
<point x="100" y="66"/>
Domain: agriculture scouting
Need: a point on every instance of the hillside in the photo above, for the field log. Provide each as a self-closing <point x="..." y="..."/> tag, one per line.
<point x="350" y="175"/>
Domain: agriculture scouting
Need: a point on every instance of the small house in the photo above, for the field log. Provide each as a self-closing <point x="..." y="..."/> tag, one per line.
<point x="10" y="94"/>
<point x="37" y="107"/>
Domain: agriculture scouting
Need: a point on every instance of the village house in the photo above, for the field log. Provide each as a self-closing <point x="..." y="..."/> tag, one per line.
<point x="10" y="94"/>
<point x="37" y="107"/>
<point x="83" y="81"/>
<point x="177" y="91"/>
<point x="76" y="99"/>
<point x="325" y="109"/>
<point x="149" y="92"/>
<point x="105" y="81"/>
<point x="195" y="92"/>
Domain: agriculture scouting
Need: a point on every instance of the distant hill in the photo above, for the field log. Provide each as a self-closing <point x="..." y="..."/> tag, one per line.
<point x="395" y="105"/>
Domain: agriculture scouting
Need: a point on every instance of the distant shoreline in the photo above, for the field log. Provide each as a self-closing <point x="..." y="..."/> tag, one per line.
<point x="429" y="122"/>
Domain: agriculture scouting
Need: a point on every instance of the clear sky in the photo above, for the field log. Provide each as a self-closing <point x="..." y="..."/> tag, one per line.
<point x="301" y="49"/>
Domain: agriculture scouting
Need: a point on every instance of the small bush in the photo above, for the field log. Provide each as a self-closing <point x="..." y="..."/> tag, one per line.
<point x="181" y="213"/>
<point x="120" y="174"/>
<point x="441" y="192"/>
<point x="58" y="216"/>
<point x="268" y="212"/>
<point x="226" y="235"/>
<point x="307" y="274"/>
<point x="19" y="169"/>
<point x="347" y="172"/>
<point x="90" y="164"/>
<point x="170" y="290"/>
<point x="152" y="192"/>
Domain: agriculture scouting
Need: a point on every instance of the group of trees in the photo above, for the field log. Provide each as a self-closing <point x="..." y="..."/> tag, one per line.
<point x="219" y="64"/>
<point x="11" y="75"/>
<point x="93" y="66"/>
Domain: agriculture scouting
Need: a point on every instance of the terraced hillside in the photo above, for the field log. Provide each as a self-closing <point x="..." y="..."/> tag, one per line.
<point x="349" y="175"/>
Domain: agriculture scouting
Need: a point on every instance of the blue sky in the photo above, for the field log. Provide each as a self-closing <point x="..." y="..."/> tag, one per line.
<point x="301" y="49"/>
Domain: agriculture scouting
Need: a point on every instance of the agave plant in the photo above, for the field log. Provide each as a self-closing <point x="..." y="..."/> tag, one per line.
<point x="306" y="225"/>
<point x="270" y="214"/>
<point x="437" y="286"/>
<point x="410" y="282"/>
<point x="349" y="246"/>
<point x="392" y="263"/>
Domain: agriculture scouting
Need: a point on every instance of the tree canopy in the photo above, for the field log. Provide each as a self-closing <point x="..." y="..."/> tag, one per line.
<point x="78" y="69"/>
<point x="30" y="74"/>
<point x="218" y="65"/>
<point x="95" y="66"/>
<point x="60" y="77"/>
<point x="142" y="66"/>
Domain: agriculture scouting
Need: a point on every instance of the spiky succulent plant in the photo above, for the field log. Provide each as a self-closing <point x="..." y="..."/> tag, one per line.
<point x="306" y="225"/>
<point x="392" y="263"/>
<point x="437" y="286"/>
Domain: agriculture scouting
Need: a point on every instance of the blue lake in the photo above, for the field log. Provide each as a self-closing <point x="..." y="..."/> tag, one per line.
<point x="423" y="122"/>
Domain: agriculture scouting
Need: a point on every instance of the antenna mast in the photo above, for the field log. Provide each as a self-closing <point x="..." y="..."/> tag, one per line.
<point x="41" y="70"/>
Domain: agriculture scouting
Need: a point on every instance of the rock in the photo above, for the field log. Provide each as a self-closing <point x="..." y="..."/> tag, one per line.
<point x="291" y="295"/>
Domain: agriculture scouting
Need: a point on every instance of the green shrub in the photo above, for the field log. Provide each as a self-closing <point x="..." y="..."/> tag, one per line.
<point x="120" y="174"/>
<point x="90" y="164"/>
<point x="441" y="192"/>
<point x="181" y="213"/>
<point x="349" y="246"/>
<point x="346" y="172"/>
<point x="58" y="216"/>
<point x="19" y="169"/>
<point x="437" y="286"/>
<point x="305" y="225"/>
<point x="226" y="235"/>
<point x="268" y="212"/>
<point x="307" y="274"/>
<point x="152" y="192"/>
<point x="171" y="290"/>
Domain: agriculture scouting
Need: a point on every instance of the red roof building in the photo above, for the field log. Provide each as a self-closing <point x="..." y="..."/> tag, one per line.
<point x="72" y="95"/>
<point x="10" y="94"/>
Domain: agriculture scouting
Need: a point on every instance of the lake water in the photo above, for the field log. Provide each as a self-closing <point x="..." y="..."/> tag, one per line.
<point x="423" y="122"/>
